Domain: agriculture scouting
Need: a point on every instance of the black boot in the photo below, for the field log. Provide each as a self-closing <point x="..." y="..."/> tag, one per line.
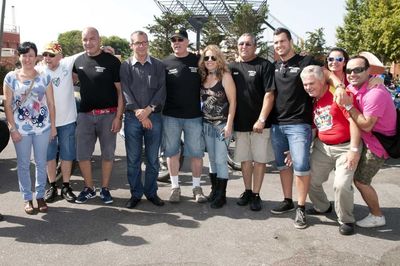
<point x="213" y="180"/>
<point x="220" y="198"/>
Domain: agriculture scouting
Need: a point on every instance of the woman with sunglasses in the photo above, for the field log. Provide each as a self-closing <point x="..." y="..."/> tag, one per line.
<point x="218" y="98"/>
<point x="30" y="113"/>
<point x="336" y="63"/>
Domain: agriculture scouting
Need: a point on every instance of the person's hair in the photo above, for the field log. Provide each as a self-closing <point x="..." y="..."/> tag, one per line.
<point x="366" y="62"/>
<point x="251" y="35"/>
<point x="341" y="50"/>
<point x="222" y="67"/>
<point x="24" y="47"/>
<point x="278" y="31"/>
<point x="138" y="32"/>
<point x="313" y="70"/>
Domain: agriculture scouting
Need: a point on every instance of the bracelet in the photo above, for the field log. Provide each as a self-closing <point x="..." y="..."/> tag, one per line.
<point x="354" y="149"/>
<point x="348" y="107"/>
<point x="12" y="129"/>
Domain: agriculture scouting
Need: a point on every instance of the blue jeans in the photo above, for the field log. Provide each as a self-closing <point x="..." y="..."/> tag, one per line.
<point x="23" y="149"/>
<point x="297" y="140"/>
<point x="134" y="135"/>
<point x="217" y="148"/>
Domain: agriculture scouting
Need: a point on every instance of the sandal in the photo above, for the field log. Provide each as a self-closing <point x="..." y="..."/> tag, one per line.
<point x="42" y="206"/>
<point x="29" y="207"/>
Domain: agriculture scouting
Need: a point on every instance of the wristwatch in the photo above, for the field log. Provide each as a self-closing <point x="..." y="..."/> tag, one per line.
<point x="348" y="107"/>
<point x="354" y="149"/>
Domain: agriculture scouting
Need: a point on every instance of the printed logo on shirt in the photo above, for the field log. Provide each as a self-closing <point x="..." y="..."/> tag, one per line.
<point x="235" y="73"/>
<point x="294" y="69"/>
<point x="99" y="69"/>
<point x="193" y="69"/>
<point x="173" y="71"/>
<point x="56" y="81"/>
<point x="81" y="67"/>
<point x="252" y="73"/>
<point x="323" y="118"/>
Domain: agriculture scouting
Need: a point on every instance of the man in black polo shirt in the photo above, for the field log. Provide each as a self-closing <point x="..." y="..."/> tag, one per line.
<point x="100" y="113"/>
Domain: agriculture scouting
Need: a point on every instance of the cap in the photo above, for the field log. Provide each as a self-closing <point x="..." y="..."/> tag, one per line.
<point x="182" y="33"/>
<point x="53" y="47"/>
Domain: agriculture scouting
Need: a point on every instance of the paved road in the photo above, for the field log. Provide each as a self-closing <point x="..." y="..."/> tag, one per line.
<point x="188" y="233"/>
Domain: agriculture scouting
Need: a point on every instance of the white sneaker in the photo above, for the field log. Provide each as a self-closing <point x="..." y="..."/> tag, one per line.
<point x="371" y="221"/>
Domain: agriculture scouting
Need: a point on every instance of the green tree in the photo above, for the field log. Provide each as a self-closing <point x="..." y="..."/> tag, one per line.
<point x="121" y="46"/>
<point x="164" y="25"/>
<point x="381" y="29"/>
<point x="211" y="34"/>
<point x="246" y="19"/>
<point x="350" y="36"/>
<point x="71" y="42"/>
<point x="315" y="44"/>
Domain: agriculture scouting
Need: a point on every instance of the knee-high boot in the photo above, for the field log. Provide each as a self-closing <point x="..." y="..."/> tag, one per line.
<point x="220" y="198"/>
<point x="213" y="181"/>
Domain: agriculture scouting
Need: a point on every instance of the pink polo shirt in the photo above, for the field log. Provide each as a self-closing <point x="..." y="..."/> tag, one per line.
<point x="376" y="102"/>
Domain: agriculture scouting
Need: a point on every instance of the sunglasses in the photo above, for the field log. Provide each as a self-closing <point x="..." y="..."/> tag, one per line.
<point x="48" y="54"/>
<point x="337" y="59"/>
<point x="245" y="44"/>
<point x="207" y="58"/>
<point x="177" y="40"/>
<point x="283" y="70"/>
<point x="356" y="70"/>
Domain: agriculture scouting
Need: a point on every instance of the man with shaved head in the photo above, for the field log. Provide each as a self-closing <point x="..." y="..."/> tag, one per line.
<point x="100" y="113"/>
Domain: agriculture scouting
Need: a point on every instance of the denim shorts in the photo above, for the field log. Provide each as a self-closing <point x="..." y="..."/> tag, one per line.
<point x="297" y="140"/>
<point x="89" y="128"/>
<point x="192" y="135"/>
<point x="65" y="140"/>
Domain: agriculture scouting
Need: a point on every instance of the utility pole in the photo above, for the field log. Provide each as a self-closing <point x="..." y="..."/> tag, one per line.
<point x="3" y="11"/>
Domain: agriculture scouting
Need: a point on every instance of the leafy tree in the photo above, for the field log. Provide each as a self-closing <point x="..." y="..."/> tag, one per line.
<point x="121" y="46"/>
<point x="381" y="29"/>
<point x="315" y="44"/>
<point x="211" y="33"/>
<point x="246" y="19"/>
<point x="164" y="25"/>
<point x="350" y="36"/>
<point x="71" y="42"/>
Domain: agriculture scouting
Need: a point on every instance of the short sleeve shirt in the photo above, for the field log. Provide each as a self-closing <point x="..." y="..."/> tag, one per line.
<point x="31" y="113"/>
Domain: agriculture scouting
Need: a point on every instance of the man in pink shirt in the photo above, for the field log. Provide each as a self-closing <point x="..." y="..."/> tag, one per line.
<point x="373" y="110"/>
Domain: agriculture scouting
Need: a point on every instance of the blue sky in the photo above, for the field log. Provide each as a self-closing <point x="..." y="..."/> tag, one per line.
<point x="41" y="21"/>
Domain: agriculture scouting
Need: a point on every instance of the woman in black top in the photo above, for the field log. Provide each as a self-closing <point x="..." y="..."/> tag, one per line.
<point x="218" y="100"/>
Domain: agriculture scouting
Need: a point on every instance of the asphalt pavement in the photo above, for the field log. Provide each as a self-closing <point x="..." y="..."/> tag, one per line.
<point x="189" y="233"/>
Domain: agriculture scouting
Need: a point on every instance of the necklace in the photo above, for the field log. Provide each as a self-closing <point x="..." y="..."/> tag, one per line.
<point x="212" y="72"/>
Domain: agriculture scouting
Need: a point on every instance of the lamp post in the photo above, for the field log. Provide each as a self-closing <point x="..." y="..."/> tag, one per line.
<point x="198" y="22"/>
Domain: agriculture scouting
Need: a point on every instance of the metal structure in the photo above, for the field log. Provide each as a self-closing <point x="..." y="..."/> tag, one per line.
<point x="219" y="9"/>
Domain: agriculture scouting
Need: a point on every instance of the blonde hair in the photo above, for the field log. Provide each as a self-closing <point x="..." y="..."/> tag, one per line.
<point x="222" y="67"/>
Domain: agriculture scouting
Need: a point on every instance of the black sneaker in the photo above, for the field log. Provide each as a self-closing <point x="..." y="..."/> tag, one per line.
<point x="283" y="207"/>
<point x="67" y="194"/>
<point x="86" y="193"/>
<point x="245" y="198"/>
<point x="313" y="211"/>
<point x="300" y="221"/>
<point x="255" y="203"/>
<point x="346" y="229"/>
<point x="105" y="196"/>
<point x="51" y="194"/>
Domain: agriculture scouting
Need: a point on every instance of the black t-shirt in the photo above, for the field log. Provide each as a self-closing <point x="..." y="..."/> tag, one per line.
<point x="292" y="104"/>
<point x="97" y="76"/>
<point x="183" y="87"/>
<point x="252" y="79"/>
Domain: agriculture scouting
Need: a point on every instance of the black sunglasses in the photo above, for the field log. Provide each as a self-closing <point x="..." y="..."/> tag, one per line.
<point x="48" y="54"/>
<point x="244" y="44"/>
<point x="176" y="39"/>
<point x="356" y="70"/>
<point x="207" y="58"/>
<point x="283" y="69"/>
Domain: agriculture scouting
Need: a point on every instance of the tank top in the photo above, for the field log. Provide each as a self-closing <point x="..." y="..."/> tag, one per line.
<point x="214" y="104"/>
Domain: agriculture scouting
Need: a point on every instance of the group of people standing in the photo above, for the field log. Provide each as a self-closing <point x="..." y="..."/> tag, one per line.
<point x="202" y="97"/>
